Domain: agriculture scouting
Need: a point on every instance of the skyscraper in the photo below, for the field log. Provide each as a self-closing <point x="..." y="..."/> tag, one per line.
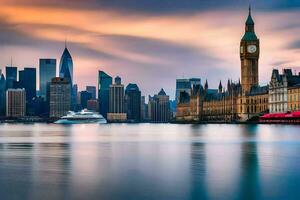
<point x="66" y="66"/>
<point x="15" y="102"/>
<point x="27" y="80"/>
<point x="144" y="109"/>
<point x="60" y="97"/>
<point x="133" y="102"/>
<point x="84" y="97"/>
<point x="2" y="94"/>
<point x="116" y="102"/>
<point x="159" y="107"/>
<point x="185" y="84"/>
<point x="92" y="90"/>
<point x="104" y="81"/>
<point x="74" y="101"/>
<point x="249" y="55"/>
<point x="47" y="72"/>
<point x="11" y="76"/>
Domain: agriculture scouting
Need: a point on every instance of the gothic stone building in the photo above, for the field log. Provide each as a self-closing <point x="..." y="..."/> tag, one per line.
<point x="241" y="101"/>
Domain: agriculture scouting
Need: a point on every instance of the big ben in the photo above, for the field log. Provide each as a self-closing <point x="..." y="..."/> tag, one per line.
<point x="249" y="54"/>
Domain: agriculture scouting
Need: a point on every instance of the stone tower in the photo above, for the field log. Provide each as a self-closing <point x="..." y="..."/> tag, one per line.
<point x="249" y="54"/>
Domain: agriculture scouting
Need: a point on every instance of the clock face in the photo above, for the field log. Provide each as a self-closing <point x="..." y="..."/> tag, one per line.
<point x="251" y="48"/>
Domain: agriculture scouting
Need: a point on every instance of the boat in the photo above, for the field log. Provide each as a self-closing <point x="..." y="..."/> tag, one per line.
<point x="284" y="118"/>
<point x="82" y="117"/>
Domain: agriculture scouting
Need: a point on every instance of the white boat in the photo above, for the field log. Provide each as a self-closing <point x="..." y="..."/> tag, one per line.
<point x="82" y="117"/>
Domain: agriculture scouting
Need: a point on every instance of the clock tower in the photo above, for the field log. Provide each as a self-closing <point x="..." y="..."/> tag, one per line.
<point x="249" y="54"/>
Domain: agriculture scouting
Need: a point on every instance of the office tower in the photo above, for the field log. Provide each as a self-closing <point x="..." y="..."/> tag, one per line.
<point x="60" y="97"/>
<point x="27" y="80"/>
<point x="2" y="94"/>
<point x="143" y="109"/>
<point x="185" y="84"/>
<point x="159" y="107"/>
<point x="133" y="102"/>
<point x="92" y="90"/>
<point x="104" y="81"/>
<point x="66" y="66"/>
<point x="116" y="102"/>
<point x="47" y="72"/>
<point x="249" y="55"/>
<point x="84" y="97"/>
<point x="75" y="103"/>
<point x="93" y="105"/>
<point x="11" y="76"/>
<point x="15" y="102"/>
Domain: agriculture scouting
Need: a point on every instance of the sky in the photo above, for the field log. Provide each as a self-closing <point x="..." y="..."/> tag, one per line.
<point x="149" y="42"/>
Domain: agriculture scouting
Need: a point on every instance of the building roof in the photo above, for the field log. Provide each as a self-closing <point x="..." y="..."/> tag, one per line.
<point x="66" y="65"/>
<point x="291" y="79"/>
<point x="132" y="86"/>
<point x="162" y="92"/>
<point x="258" y="90"/>
<point x="249" y="20"/>
<point x="249" y="36"/>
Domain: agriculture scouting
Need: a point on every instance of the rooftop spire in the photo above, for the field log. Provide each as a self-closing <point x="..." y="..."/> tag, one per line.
<point x="249" y="20"/>
<point x="249" y="8"/>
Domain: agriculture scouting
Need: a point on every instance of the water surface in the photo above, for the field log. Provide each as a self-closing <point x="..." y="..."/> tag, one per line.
<point x="149" y="161"/>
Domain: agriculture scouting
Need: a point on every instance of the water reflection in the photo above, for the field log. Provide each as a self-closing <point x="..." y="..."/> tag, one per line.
<point x="149" y="161"/>
<point x="249" y="178"/>
<point x="198" y="171"/>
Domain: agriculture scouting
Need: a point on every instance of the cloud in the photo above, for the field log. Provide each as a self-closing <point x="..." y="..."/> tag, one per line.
<point x="148" y="42"/>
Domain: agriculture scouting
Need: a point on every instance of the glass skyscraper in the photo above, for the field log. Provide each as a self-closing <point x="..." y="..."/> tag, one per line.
<point x="92" y="90"/>
<point x="104" y="81"/>
<point x="133" y="102"/>
<point x="47" y="72"/>
<point x="185" y="84"/>
<point x="11" y="76"/>
<point x="2" y="94"/>
<point x="27" y="80"/>
<point x="66" y="66"/>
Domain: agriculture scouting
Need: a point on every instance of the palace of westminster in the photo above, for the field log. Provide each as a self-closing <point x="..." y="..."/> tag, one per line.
<point x="244" y="100"/>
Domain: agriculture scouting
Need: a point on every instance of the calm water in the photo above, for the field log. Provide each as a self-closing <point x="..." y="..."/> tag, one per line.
<point x="149" y="161"/>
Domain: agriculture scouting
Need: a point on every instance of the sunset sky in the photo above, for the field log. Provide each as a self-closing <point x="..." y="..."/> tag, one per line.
<point x="149" y="42"/>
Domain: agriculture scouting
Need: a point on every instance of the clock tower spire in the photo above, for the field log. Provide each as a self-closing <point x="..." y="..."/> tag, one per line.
<point x="249" y="54"/>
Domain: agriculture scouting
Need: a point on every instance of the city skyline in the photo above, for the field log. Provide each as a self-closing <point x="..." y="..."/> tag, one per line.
<point x="161" y="44"/>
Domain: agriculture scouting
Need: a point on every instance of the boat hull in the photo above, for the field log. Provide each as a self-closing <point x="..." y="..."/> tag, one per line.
<point x="83" y="121"/>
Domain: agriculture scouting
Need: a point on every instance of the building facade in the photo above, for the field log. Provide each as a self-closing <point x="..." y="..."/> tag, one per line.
<point x="239" y="101"/>
<point x="60" y="97"/>
<point x="185" y="84"/>
<point x="104" y="81"/>
<point x="159" y="108"/>
<point x="92" y="90"/>
<point x="278" y="91"/>
<point x="84" y="97"/>
<point x="133" y="102"/>
<point x="66" y="66"/>
<point x="2" y="94"/>
<point x="11" y="76"/>
<point x="47" y="71"/>
<point x="15" y="103"/>
<point x="27" y="80"/>
<point x="249" y="55"/>
<point x="294" y="98"/>
<point x="93" y="105"/>
<point x="116" y="102"/>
